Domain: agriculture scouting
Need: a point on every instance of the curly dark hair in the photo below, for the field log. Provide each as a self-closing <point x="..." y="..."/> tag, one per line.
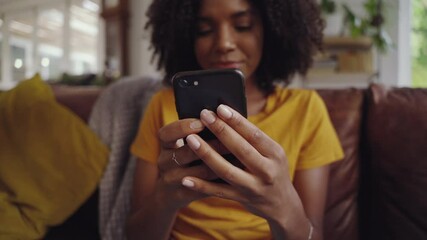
<point x="292" y="35"/>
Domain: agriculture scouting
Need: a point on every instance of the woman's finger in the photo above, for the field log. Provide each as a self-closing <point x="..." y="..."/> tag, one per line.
<point x="175" y="176"/>
<point x="257" y="138"/>
<point x="170" y="134"/>
<point x="222" y="168"/>
<point x="175" y="157"/>
<point x="248" y="155"/>
<point x="183" y="156"/>
<point x="213" y="189"/>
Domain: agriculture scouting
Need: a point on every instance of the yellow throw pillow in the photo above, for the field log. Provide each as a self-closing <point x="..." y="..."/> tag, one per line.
<point x="50" y="161"/>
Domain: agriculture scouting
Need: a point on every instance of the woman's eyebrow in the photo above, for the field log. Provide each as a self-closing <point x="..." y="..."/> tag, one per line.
<point x="242" y="14"/>
<point x="203" y="19"/>
<point x="235" y="15"/>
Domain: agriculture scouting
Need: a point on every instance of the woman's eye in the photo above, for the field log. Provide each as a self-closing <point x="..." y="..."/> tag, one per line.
<point x="243" y="24"/>
<point x="203" y="32"/>
<point x="203" y="28"/>
<point x="243" y="28"/>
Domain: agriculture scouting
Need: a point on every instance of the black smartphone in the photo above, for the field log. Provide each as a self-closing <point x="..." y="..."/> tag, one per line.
<point x="207" y="89"/>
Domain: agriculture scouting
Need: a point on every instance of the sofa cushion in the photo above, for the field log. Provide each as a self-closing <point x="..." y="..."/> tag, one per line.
<point x="79" y="99"/>
<point x="50" y="161"/>
<point x="396" y="131"/>
<point x="341" y="212"/>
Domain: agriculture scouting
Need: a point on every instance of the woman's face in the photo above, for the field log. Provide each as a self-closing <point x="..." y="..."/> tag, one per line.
<point x="229" y="35"/>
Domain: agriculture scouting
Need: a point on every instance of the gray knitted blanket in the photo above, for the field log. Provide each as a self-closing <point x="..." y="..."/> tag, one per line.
<point x="115" y="118"/>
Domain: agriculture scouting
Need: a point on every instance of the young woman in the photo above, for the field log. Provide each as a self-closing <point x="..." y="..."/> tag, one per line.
<point x="285" y="144"/>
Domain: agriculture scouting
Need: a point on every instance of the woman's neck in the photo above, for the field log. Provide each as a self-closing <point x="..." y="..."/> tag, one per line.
<point x="255" y="98"/>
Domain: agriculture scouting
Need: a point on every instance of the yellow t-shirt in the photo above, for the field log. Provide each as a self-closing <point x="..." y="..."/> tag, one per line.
<point x="296" y="119"/>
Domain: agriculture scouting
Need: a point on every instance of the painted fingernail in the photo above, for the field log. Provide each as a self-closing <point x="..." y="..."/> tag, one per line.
<point x="207" y="116"/>
<point x="180" y="142"/>
<point x="187" y="183"/>
<point x="224" y="112"/>
<point x="196" y="124"/>
<point x="193" y="142"/>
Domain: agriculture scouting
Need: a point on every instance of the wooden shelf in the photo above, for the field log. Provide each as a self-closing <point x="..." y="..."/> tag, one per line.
<point x="348" y="43"/>
<point x="345" y="62"/>
<point x="337" y="80"/>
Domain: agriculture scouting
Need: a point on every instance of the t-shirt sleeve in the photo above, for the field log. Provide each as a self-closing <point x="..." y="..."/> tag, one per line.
<point x="321" y="145"/>
<point x="146" y="144"/>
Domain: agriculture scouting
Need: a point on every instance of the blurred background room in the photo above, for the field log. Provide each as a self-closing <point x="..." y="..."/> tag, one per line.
<point x="88" y="42"/>
<point x="60" y="129"/>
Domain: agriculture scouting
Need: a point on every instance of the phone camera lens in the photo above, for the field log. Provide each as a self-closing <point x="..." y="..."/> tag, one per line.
<point x="184" y="82"/>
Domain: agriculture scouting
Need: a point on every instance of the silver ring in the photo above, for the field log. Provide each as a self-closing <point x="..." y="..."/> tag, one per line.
<point x="174" y="159"/>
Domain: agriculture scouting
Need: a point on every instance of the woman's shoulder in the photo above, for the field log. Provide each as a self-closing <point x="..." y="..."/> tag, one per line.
<point x="295" y="95"/>
<point x="165" y="94"/>
<point x="290" y="99"/>
<point x="162" y="99"/>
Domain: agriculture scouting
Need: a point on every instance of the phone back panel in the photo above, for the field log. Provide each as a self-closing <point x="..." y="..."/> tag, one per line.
<point x="207" y="89"/>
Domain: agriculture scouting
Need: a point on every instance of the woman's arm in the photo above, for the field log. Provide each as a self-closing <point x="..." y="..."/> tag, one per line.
<point x="157" y="193"/>
<point x="264" y="187"/>
<point x="312" y="187"/>
<point x="149" y="218"/>
<point x="309" y="204"/>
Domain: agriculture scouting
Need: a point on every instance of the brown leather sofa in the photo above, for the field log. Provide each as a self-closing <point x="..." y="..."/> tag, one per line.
<point x="379" y="191"/>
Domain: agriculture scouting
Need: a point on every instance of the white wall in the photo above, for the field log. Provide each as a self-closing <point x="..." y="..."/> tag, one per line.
<point x="140" y="54"/>
<point x="405" y="25"/>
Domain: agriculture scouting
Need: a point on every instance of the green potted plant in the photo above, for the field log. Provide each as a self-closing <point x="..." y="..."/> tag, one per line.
<point x="370" y="26"/>
<point x="332" y="17"/>
<point x="328" y="6"/>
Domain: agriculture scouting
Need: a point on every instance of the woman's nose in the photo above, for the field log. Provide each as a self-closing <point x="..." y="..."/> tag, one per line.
<point x="226" y="41"/>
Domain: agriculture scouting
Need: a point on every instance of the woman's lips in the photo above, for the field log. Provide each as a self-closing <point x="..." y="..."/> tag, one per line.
<point x="227" y="65"/>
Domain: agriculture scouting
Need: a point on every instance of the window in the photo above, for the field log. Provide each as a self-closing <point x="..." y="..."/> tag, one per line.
<point x="419" y="43"/>
<point x="84" y="29"/>
<point x="50" y="37"/>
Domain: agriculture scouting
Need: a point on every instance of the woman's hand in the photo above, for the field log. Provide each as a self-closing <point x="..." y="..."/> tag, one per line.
<point x="173" y="164"/>
<point x="264" y="186"/>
